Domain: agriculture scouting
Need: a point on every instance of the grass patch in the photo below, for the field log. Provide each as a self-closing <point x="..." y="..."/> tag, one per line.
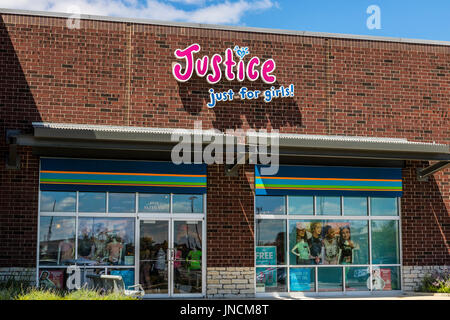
<point x="82" y="294"/>
<point x="22" y="290"/>
<point x="37" y="294"/>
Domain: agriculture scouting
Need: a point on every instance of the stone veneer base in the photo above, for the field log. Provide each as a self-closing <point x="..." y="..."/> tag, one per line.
<point x="413" y="275"/>
<point x="230" y="281"/>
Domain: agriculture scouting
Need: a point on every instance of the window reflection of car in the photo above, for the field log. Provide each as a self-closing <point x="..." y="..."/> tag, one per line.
<point x="263" y="274"/>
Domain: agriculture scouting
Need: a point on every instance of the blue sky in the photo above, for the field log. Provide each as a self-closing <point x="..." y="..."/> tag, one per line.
<point x="399" y="18"/>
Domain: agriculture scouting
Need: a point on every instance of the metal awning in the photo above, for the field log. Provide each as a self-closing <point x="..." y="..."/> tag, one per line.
<point x="82" y="139"/>
<point x="54" y="131"/>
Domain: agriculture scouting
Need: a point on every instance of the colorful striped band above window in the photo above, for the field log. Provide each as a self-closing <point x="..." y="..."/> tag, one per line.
<point x="331" y="181"/>
<point x="121" y="176"/>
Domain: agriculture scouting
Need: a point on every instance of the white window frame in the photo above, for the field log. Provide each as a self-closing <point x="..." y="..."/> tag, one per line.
<point x="369" y="218"/>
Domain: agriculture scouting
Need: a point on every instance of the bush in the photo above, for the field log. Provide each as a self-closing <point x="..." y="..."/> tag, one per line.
<point x="11" y="288"/>
<point x="436" y="282"/>
<point x="6" y="294"/>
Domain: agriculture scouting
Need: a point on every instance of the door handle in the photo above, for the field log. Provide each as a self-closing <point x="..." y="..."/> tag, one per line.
<point x="170" y="254"/>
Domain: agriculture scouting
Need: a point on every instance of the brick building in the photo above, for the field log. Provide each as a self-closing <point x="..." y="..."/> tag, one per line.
<point x="360" y="203"/>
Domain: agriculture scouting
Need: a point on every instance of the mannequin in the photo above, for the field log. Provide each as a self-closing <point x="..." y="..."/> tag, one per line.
<point x="66" y="250"/>
<point x="160" y="263"/>
<point x="301" y="248"/>
<point x="114" y="251"/>
<point x="347" y="246"/>
<point x="315" y="243"/>
<point x="331" y="246"/>
<point x="194" y="259"/>
<point x="194" y="263"/>
<point x="86" y="245"/>
<point x="100" y="245"/>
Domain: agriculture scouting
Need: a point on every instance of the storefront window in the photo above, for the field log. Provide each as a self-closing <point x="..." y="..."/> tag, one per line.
<point x="187" y="203"/>
<point x="91" y="230"/>
<point x="356" y="279"/>
<point x="122" y="202"/>
<point x="385" y="248"/>
<point x="271" y="279"/>
<point x="329" y="206"/>
<point x="56" y="240"/>
<point x="92" y="202"/>
<point x="302" y="279"/>
<point x="330" y="279"/>
<point x="154" y="203"/>
<point x="321" y="252"/>
<point x="58" y="201"/>
<point x="126" y="274"/>
<point x="301" y="205"/>
<point x="270" y="243"/>
<point x="270" y="205"/>
<point x="88" y="275"/>
<point x="383" y="207"/>
<point x="385" y="278"/>
<point x="106" y="240"/>
<point x="355" y="206"/>
<point x="328" y="242"/>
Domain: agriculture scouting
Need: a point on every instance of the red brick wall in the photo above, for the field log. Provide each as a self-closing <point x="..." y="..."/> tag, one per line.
<point x="230" y="218"/>
<point x="120" y="74"/>
<point x="18" y="211"/>
<point x="425" y="217"/>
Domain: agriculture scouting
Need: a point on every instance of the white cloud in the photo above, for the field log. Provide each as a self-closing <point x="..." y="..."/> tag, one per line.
<point x="226" y="12"/>
<point x="191" y="2"/>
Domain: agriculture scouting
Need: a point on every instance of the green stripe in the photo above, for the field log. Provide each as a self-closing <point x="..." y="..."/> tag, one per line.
<point x="323" y="186"/>
<point x="68" y="181"/>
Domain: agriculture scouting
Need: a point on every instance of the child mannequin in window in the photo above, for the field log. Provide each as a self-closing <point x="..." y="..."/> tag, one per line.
<point x="177" y="260"/>
<point x="194" y="259"/>
<point x="114" y="251"/>
<point x="346" y="246"/>
<point x="301" y="248"/>
<point x="100" y="243"/>
<point x="194" y="264"/>
<point x="86" y="245"/>
<point x="66" y="250"/>
<point x="331" y="246"/>
<point x="315" y="243"/>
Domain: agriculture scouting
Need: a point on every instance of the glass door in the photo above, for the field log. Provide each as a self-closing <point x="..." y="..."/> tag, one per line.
<point x="153" y="262"/>
<point x="187" y="257"/>
<point x="171" y="258"/>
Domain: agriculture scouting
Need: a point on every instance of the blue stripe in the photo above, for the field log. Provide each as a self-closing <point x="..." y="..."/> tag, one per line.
<point x="88" y="165"/>
<point x="59" y="187"/>
<point x="280" y="192"/>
